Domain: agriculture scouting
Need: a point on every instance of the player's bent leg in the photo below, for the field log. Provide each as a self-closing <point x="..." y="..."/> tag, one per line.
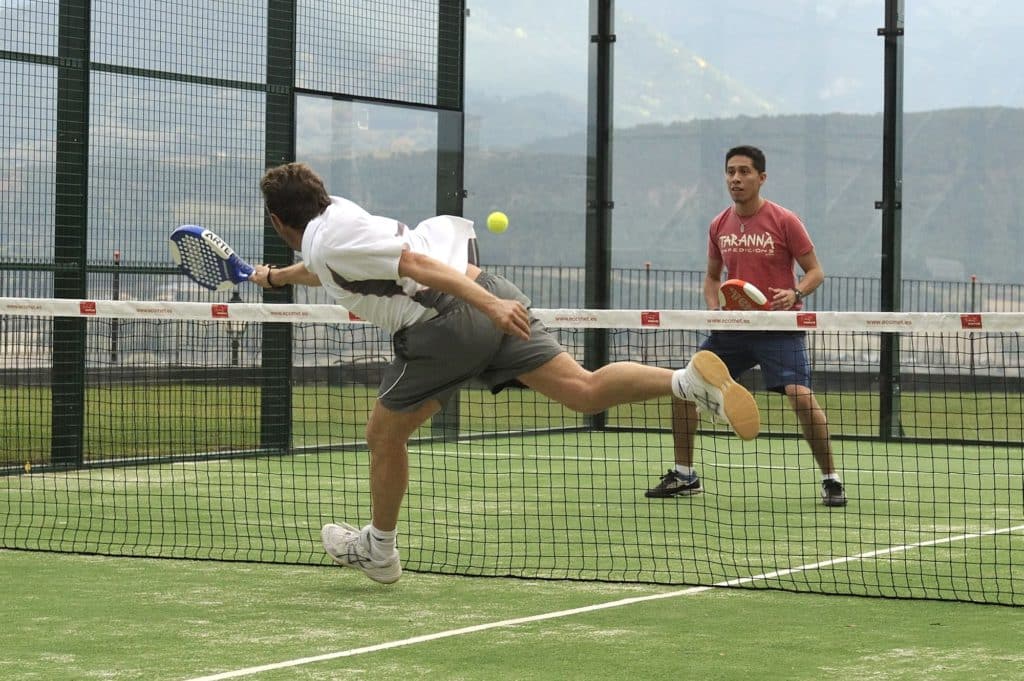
<point x="706" y="382"/>
<point x="588" y="392"/>
<point x="387" y="433"/>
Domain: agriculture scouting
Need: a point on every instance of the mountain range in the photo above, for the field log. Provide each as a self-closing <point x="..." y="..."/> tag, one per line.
<point x="960" y="215"/>
<point x="677" y="61"/>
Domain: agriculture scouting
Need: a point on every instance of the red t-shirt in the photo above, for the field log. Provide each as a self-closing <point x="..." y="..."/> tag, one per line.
<point x="762" y="248"/>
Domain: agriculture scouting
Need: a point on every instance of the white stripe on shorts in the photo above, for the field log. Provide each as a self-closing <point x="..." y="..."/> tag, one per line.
<point x="392" y="386"/>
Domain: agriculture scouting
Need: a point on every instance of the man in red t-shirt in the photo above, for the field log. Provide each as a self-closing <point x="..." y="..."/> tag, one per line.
<point x="759" y="241"/>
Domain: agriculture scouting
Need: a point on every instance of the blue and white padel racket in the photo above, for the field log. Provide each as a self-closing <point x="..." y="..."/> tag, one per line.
<point x="207" y="259"/>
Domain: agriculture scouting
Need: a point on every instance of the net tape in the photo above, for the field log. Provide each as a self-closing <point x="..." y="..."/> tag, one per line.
<point x="896" y="322"/>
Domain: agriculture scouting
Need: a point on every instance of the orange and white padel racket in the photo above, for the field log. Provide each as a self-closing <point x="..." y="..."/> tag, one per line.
<point x="736" y="294"/>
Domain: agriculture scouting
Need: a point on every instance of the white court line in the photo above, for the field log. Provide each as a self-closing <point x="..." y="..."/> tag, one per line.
<point x="594" y="608"/>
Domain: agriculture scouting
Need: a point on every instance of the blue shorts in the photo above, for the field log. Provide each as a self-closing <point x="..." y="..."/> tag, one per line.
<point x="781" y="354"/>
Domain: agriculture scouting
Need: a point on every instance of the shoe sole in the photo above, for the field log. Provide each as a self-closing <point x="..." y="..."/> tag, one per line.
<point x="833" y="503"/>
<point x="738" y="404"/>
<point x="379" y="575"/>
<point x="669" y="495"/>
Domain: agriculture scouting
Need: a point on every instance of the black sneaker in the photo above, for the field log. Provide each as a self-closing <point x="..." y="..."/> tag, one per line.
<point x="832" y="493"/>
<point x="674" y="484"/>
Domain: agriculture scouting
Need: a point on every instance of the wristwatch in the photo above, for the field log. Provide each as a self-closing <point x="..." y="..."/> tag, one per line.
<point x="800" y="295"/>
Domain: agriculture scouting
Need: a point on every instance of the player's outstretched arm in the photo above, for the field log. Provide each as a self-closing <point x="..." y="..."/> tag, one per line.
<point x="276" y="277"/>
<point x="508" y="315"/>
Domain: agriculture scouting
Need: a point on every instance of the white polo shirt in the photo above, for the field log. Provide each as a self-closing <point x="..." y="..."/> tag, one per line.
<point x="356" y="255"/>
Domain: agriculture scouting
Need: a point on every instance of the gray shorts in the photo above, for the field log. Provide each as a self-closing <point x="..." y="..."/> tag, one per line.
<point x="435" y="357"/>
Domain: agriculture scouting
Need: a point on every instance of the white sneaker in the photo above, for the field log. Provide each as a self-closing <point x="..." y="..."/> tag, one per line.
<point x="350" y="547"/>
<point x="706" y="382"/>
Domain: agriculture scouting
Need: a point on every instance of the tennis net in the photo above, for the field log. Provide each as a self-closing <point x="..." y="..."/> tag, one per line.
<point x="234" y="431"/>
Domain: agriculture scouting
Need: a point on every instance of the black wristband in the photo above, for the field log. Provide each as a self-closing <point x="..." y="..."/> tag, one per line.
<point x="270" y="283"/>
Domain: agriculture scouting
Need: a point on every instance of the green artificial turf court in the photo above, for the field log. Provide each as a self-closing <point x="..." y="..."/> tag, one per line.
<point x="88" y="617"/>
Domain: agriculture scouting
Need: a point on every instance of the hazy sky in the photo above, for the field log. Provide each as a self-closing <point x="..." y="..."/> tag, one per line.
<point x="800" y="56"/>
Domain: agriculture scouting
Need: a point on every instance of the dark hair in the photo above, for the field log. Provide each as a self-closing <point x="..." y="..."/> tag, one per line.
<point x="753" y="153"/>
<point x="294" y="193"/>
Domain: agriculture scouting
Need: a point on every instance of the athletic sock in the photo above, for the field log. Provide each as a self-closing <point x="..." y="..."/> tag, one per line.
<point x="831" y="476"/>
<point x="685" y="471"/>
<point x="680" y="383"/>
<point x="382" y="544"/>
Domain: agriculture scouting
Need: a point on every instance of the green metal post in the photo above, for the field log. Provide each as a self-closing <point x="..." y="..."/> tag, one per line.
<point x="70" y="230"/>
<point x="276" y="402"/>
<point x="450" y="149"/>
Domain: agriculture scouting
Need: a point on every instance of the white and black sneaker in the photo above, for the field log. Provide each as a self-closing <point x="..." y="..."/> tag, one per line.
<point x="350" y="547"/>
<point x="675" y="484"/>
<point x="832" y="493"/>
<point x="706" y="382"/>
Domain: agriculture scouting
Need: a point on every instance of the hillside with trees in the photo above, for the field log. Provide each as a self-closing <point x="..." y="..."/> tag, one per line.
<point x="962" y="209"/>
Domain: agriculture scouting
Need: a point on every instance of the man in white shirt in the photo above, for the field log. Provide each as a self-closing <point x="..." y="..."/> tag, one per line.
<point x="450" y="322"/>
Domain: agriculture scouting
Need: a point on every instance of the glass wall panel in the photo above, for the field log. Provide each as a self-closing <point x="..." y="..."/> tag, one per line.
<point x="800" y="80"/>
<point x="964" y="143"/>
<point x="380" y="156"/>
<point x="526" y="125"/>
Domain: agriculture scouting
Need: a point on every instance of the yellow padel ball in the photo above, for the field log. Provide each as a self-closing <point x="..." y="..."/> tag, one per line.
<point x="497" y="222"/>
